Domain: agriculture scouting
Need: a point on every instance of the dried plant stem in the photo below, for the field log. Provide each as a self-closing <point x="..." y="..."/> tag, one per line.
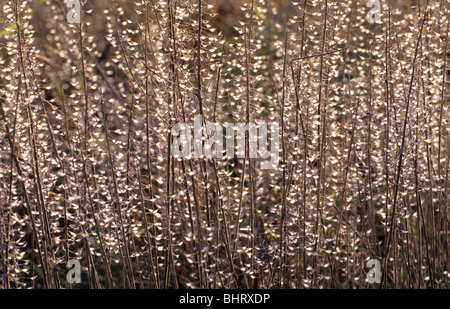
<point x="400" y="160"/>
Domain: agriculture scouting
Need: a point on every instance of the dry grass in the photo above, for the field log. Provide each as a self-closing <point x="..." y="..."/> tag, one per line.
<point x="86" y="171"/>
